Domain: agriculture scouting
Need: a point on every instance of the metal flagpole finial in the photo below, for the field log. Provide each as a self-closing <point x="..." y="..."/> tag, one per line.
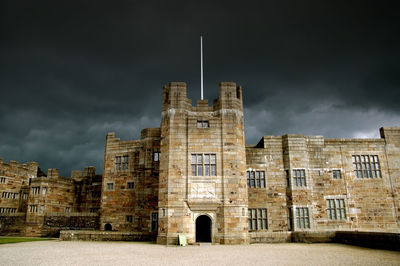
<point x="201" y="65"/>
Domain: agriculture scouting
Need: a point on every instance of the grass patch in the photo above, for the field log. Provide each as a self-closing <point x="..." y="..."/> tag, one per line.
<point x="8" y="240"/>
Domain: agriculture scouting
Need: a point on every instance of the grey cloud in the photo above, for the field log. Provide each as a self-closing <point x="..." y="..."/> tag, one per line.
<point x="72" y="71"/>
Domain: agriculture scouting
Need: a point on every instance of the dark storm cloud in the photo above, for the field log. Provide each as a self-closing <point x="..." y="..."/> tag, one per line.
<point x="72" y="71"/>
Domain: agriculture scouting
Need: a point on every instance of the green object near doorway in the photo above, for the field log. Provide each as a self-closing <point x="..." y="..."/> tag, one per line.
<point x="182" y="240"/>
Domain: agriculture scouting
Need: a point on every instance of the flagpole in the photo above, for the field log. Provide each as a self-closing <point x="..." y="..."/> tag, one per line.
<point x="201" y="64"/>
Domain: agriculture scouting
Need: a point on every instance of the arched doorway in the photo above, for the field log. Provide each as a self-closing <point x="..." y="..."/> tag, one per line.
<point x="203" y="229"/>
<point x="108" y="227"/>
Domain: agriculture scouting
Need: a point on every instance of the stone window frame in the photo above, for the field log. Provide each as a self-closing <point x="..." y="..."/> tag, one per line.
<point x="366" y="166"/>
<point x="121" y="162"/>
<point x="35" y="190"/>
<point x="125" y="162"/>
<point x="3" y="179"/>
<point x="67" y="209"/>
<point x="299" y="177"/>
<point x="33" y="208"/>
<point x="130" y="184"/>
<point x="156" y="156"/>
<point x="154" y="221"/>
<point x="129" y="218"/>
<point x="258" y="219"/>
<point x="203" y="123"/>
<point x="118" y="163"/>
<point x="337" y="174"/>
<point x="200" y="166"/>
<point x="256" y="176"/>
<point x="10" y="195"/>
<point x="25" y="196"/>
<point x="110" y="186"/>
<point x="302" y="217"/>
<point x="8" y="210"/>
<point x="336" y="208"/>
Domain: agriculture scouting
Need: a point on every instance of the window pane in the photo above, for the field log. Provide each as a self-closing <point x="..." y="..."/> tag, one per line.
<point x="193" y="170"/>
<point x="206" y="170"/>
<point x="193" y="159"/>
<point x="378" y="173"/>
<point x="213" y="172"/>
<point x="199" y="158"/>
<point x="200" y="170"/>
<point x="206" y="158"/>
<point x="212" y="158"/>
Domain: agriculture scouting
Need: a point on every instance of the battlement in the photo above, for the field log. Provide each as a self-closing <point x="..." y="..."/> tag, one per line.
<point x="150" y="133"/>
<point x="175" y="97"/>
<point x="390" y="134"/>
<point x="30" y="167"/>
<point x="53" y="173"/>
<point x="89" y="171"/>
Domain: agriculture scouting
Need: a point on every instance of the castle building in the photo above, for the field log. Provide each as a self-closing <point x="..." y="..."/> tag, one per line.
<point x="194" y="175"/>
<point x="32" y="205"/>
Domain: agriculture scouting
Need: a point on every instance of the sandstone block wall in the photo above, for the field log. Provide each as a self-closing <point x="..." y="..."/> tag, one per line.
<point x="183" y="197"/>
<point x="12" y="224"/>
<point x="55" y="222"/>
<point x="371" y="204"/>
<point x="118" y="199"/>
<point x="88" y="235"/>
<point x="13" y="177"/>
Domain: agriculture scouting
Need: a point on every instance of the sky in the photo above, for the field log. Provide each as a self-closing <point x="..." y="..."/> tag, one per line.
<point x="71" y="71"/>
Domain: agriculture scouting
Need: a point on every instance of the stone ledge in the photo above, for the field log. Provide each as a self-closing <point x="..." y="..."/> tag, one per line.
<point x="89" y="235"/>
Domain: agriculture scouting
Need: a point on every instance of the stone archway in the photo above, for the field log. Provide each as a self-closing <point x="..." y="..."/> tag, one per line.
<point x="203" y="229"/>
<point x="108" y="227"/>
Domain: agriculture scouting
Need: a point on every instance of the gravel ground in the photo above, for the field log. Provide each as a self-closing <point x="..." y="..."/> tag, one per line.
<point x="137" y="253"/>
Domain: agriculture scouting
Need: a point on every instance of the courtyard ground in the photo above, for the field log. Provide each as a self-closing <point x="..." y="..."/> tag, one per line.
<point x="138" y="253"/>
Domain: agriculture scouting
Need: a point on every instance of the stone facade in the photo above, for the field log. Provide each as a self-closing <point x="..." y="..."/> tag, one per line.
<point x="195" y="176"/>
<point x="35" y="201"/>
<point x="370" y="203"/>
<point x="194" y="138"/>
<point x="206" y="180"/>
<point x="130" y="183"/>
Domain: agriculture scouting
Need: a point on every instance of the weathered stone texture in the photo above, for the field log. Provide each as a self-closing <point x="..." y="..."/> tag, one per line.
<point x="45" y="196"/>
<point x="55" y="222"/>
<point x="12" y="224"/>
<point x="184" y="197"/>
<point x="140" y="201"/>
<point x="14" y="176"/>
<point x="149" y="190"/>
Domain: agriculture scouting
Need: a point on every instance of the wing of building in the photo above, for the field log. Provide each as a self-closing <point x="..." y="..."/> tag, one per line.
<point x="194" y="175"/>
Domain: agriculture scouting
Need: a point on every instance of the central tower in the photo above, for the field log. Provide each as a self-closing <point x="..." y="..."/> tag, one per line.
<point x="202" y="180"/>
